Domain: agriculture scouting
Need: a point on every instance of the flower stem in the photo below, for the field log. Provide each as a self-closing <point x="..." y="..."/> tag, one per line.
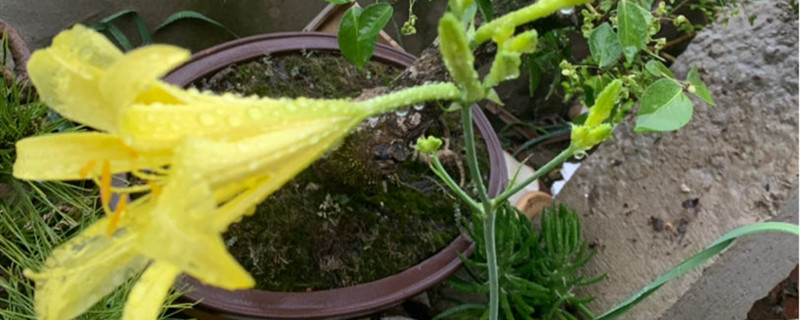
<point x="439" y="170"/>
<point x="555" y="162"/>
<point x="411" y="96"/>
<point x="522" y="16"/>
<point x="489" y="217"/>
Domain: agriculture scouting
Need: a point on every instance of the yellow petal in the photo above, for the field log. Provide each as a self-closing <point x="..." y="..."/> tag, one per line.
<point x="251" y="169"/>
<point x="180" y="232"/>
<point x="148" y="294"/>
<point x="228" y="116"/>
<point x="137" y="71"/>
<point x="222" y="163"/>
<point x="67" y="156"/>
<point x="68" y="73"/>
<point x="83" y="270"/>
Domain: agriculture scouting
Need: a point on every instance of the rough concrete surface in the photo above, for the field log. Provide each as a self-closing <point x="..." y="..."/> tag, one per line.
<point x="732" y="165"/>
<point x="745" y="273"/>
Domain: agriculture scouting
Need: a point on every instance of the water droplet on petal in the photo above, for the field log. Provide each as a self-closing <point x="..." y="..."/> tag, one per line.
<point x="208" y="119"/>
<point x="235" y="121"/>
<point x="419" y="107"/>
<point x="567" y="11"/>
<point x="254" y="113"/>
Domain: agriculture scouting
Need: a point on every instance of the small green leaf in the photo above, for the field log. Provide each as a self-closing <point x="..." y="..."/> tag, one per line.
<point x="701" y="91"/>
<point x="338" y="1"/>
<point x="188" y="14"/>
<point x="487" y="10"/>
<point x="664" y="107"/>
<point x="658" y="69"/>
<point x="604" y="45"/>
<point x="632" y="24"/>
<point x="535" y="71"/>
<point x="358" y="31"/>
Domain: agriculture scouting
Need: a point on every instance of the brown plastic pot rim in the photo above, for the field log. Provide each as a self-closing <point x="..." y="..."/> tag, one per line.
<point x="341" y="302"/>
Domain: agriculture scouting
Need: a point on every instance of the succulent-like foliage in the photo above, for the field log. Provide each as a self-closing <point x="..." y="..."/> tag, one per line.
<point x="539" y="269"/>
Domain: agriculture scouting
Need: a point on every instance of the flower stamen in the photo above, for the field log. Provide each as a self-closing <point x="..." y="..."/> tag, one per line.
<point x="105" y="183"/>
<point x="112" y="225"/>
<point x="84" y="172"/>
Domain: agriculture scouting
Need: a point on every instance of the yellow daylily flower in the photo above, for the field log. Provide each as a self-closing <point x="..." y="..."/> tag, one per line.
<point x="207" y="160"/>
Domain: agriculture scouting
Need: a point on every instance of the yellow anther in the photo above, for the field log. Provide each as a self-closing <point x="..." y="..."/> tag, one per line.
<point x="105" y="183"/>
<point x="87" y="168"/>
<point x="112" y="225"/>
<point x="154" y="188"/>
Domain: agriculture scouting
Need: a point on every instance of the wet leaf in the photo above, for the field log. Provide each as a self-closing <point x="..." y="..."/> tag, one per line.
<point x="358" y="31"/>
<point x="658" y="69"/>
<point x="664" y="107"/>
<point x="604" y="45"/>
<point x="632" y="23"/>
<point x="701" y="91"/>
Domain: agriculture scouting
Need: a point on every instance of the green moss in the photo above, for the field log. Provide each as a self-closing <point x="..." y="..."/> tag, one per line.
<point x="313" y="75"/>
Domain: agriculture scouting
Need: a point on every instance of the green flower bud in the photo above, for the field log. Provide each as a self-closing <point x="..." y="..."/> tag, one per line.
<point x="429" y="145"/>
<point x="662" y="8"/>
<point x="503" y="33"/>
<point x="523" y="43"/>
<point x="691" y="89"/>
<point x="679" y="20"/>
<point x="604" y="104"/>
<point x="458" y="57"/>
<point x="505" y="67"/>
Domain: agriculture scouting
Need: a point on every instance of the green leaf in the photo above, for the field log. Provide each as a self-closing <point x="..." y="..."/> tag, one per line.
<point x="144" y="35"/>
<point x="188" y="14"/>
<point x="701" y="91"/>
<point x="358" y="31"/>
<point x="658" y="69"/>
<point x="535" y="71"/>
<point x="664" y="107"/>
<point x="338" y="1"/>
<point x="632" y="24"/>
<point x="697" y="260"/>
<point x="604" y="45"/>
<point x="487" y="10"/>
<point x="115" y="33"/>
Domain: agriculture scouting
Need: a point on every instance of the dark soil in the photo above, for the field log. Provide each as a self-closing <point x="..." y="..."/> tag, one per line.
<point x="318" y="233"/>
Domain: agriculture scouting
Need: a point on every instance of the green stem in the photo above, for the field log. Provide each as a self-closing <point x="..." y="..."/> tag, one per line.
<point x="540" y="9"/>
<point x="411" y="96"/>
<point x="488" y="224"/>
<point x="555" y="162"/>
<point x="439" y="170"/>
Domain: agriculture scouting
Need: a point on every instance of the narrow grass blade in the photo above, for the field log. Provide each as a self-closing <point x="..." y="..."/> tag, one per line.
<point x="188" y="14"/>
<point x="698" y="259"/>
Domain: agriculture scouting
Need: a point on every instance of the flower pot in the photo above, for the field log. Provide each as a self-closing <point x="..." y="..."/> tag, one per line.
<point x="341" y="302"/>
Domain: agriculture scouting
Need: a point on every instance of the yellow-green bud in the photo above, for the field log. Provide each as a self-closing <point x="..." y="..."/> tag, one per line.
<point x="458" y="57"/>
<point x="604" y="104"/>
<point x="679" y="20"/>
<point x="523" y="43"/>
<point x="662" y="8"/>
<point x="505" y="67"/>
<point x="691" y="88"/>
<point x="429" y="145"/>
<point x="503" y="33"/>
